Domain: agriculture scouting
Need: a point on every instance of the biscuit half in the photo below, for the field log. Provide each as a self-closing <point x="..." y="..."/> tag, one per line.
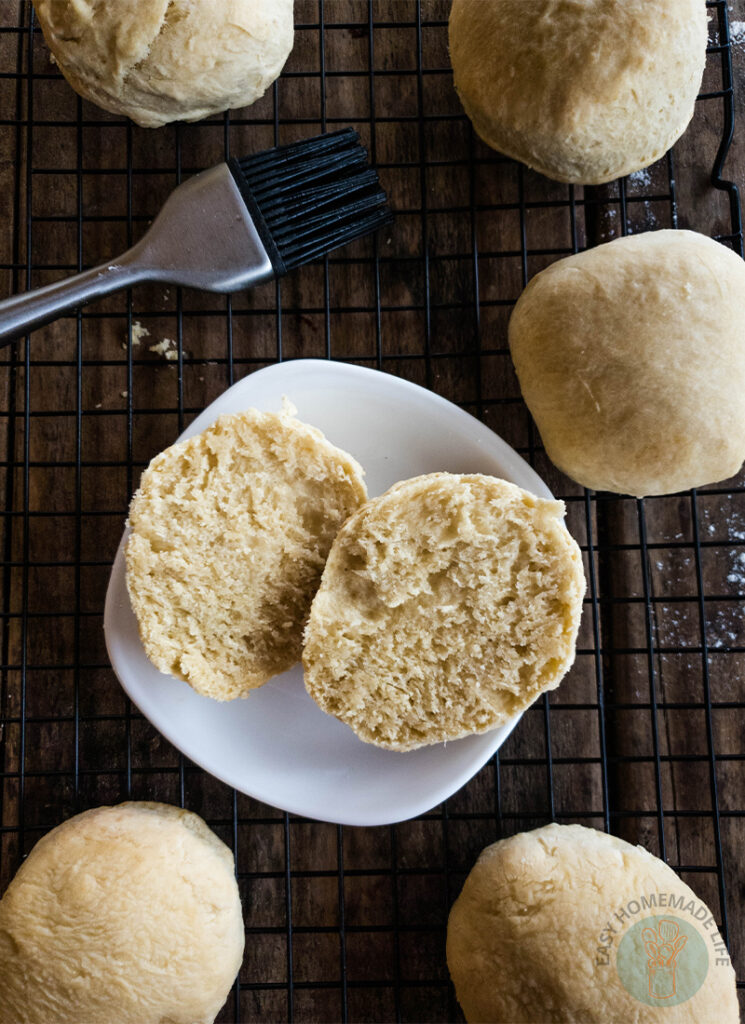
<point x="229" y="535"/>
<point x="447" y="605"/>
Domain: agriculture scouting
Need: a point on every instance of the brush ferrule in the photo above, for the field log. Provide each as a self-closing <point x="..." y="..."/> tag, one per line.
<point x="262" y="228"/>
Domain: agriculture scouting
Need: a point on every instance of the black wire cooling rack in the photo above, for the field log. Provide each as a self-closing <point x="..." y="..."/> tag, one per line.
<point x="645" y="736"/>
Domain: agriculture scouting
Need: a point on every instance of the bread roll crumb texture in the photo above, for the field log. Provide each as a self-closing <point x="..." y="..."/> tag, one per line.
<point x="229" y="535"/>
<point x="446" y="606"/>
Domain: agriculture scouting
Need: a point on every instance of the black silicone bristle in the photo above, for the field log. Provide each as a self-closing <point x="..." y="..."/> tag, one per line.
<point x="312" y="196"/>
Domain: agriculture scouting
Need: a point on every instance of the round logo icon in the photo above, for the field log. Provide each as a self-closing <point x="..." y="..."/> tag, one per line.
<point x="662" y="960"/>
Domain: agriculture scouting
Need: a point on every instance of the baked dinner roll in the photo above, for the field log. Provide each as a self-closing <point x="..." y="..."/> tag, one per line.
<point x="128" y="914"/>
<point x="583" y="91"/>
<point x="166" y="60"/>
<point x="565" y="925"/>
<point x="229" y="535"/>
<point x="447" y="605"/>
<point x="631" y="358"/>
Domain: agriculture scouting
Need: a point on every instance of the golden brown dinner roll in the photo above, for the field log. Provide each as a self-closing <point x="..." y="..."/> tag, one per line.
<point x="447" y="605"/>
<point x="565" y="925"/>
<point x="128" y="914"/>
<point x="165" y="60"/>
<point x="229" y="535"/>
<point x="631" y="358"/>
<point x="581" y="90"/>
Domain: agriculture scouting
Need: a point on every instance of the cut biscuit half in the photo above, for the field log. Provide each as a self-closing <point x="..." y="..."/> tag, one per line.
<point x="229" y="535"/>
<point x="447" y="605"/>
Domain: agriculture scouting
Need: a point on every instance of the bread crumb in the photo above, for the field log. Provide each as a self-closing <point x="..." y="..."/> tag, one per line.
<point x="163" y="347"/>
<point x="138" y="333"/>
<point x="288" y="408"/>
<point x="167" y="348"/>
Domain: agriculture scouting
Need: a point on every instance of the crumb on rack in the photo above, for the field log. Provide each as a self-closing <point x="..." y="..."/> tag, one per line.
<point x="166" y="347"/>
<point x="139" y="332"/>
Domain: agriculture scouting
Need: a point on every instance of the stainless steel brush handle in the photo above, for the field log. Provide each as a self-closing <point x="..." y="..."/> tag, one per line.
<point x="233" y="227"/>
<point x="203" y="237"/>
<point x="23" y="313"/>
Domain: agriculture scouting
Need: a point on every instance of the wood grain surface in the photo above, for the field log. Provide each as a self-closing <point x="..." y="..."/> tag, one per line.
<point x="645" y="736"/>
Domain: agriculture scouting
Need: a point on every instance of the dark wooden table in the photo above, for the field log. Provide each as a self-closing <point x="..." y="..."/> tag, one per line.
<point x="645" y="737"/>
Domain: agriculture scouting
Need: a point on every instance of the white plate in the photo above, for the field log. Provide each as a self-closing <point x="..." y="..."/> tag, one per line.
<point x="276" y="745"/>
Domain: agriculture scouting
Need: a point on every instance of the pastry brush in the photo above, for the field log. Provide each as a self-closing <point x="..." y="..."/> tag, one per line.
<point x="233" y="226"/>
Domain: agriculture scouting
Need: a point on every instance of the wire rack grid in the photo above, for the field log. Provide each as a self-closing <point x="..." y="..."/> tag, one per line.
<point x="644" y="738"/>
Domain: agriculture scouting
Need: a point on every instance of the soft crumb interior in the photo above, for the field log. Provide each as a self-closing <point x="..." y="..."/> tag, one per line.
<point x="230" y="534"/>
<point x="444" y="615"/>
